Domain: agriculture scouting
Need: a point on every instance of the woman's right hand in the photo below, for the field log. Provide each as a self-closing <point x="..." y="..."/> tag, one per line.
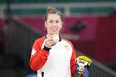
<point x="50" y="41"/>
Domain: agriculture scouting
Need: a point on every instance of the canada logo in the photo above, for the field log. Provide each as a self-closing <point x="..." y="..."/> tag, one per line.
<point x="66" y="47"/>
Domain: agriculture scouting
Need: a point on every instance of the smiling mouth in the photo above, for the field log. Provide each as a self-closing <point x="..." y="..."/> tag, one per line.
<point x="54" y="28"/>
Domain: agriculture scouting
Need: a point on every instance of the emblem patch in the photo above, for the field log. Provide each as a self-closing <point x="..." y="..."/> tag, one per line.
<point x="66" y="47"/>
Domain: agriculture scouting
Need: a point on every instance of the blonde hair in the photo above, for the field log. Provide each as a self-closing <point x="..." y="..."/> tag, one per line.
<point x="52" y="10"/>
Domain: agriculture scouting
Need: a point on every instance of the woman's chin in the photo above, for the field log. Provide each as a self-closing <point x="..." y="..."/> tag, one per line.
<point x="54" y="33"/>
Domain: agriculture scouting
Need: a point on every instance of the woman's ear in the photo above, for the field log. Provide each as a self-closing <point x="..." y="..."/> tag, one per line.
<point x="62" y="24"/>
<point x="45" y="25"/>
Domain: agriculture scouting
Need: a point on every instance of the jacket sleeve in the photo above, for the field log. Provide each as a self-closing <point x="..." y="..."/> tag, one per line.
<point x="38" y="56"/>
<point x="73" y="63"/>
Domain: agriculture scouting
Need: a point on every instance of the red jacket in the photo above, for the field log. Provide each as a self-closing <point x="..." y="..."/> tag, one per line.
<point x="61" y="58"/>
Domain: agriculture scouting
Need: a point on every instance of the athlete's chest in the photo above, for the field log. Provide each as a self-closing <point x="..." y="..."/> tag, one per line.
<point x="61" y="50"/>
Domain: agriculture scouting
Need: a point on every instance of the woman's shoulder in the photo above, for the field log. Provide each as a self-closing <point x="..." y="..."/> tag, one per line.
<point x="41" y="39"/>
<point x="68" y="41"/>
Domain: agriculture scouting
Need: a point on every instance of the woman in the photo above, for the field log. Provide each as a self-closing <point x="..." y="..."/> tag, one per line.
<point x="53" y="56"/>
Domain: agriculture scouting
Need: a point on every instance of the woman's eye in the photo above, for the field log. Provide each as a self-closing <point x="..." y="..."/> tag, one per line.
<point x="51" y="21"/>
<point x="57" y="21"/>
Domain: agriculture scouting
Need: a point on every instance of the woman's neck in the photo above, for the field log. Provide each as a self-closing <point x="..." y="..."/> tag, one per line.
<point x="51" y="34"/>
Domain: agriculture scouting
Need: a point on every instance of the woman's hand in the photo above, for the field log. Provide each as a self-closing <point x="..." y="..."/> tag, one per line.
<point x="51" y="40"/>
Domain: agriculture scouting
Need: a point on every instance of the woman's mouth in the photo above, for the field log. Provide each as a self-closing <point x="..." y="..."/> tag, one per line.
<point x="54" y="28"/>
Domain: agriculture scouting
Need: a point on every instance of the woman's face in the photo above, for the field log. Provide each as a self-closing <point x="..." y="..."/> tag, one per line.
<point x="53" y="24"/>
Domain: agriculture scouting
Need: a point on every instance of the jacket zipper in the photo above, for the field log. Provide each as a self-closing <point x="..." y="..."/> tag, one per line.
<point x="42" y="74"/>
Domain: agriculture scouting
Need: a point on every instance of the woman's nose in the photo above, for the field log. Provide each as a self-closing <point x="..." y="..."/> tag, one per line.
<point x="54" y="24"/>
